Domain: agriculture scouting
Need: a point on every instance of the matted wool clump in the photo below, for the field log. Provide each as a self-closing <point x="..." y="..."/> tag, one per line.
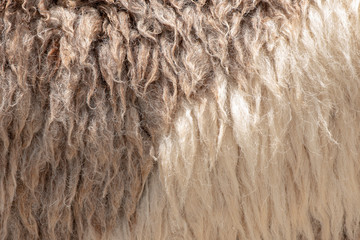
<point x="179" y="119"/>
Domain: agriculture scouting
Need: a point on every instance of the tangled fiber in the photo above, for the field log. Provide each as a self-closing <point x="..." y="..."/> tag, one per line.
<point x="179" y="119"/>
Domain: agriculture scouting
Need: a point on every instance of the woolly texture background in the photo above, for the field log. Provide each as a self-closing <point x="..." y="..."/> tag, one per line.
<point x="179" y="119"/>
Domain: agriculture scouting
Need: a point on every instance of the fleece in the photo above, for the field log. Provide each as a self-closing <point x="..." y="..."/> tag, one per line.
<point x="180" y="119"/>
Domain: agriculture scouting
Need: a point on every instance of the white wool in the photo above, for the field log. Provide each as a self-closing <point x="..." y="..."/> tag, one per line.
<point x="277" y="159"/>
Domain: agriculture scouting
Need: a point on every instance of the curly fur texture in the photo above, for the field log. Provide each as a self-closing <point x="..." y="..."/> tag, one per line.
<point x="179" y="119"/>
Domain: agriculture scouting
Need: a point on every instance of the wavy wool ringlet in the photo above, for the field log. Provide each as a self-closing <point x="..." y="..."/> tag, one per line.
<point x="179" y="119"/>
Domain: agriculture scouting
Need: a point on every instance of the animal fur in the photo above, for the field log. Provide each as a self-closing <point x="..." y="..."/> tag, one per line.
<point x="179" y="119"/>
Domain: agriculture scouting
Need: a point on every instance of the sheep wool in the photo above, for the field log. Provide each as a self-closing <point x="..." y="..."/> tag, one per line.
<point x="179" y="119"/>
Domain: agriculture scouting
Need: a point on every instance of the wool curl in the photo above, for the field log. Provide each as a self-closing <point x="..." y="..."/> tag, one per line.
<point x="179" y="119"/>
